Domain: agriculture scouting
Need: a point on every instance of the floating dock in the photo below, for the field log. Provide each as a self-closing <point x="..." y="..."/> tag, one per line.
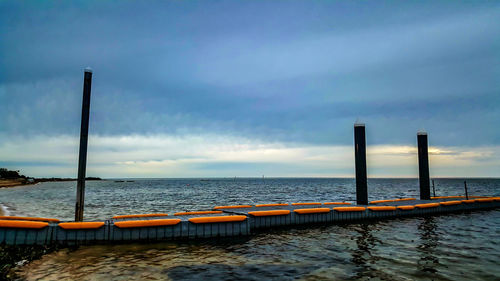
<point x="224" y="221"/>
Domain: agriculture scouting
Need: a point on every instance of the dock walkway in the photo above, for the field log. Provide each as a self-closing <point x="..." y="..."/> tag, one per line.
<point x="223" y="221"/>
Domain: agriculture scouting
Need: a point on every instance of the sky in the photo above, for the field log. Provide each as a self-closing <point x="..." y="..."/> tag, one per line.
<point x="250" y="88"/>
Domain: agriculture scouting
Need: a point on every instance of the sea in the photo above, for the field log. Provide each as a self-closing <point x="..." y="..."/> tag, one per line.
<point x="464" y="246"/>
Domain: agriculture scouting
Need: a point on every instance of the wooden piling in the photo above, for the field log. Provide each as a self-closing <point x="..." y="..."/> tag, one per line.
<point x="466" y="193"/>
<point x="84" y="135"/>
<point x="433" y="189"/>
<point x="360" y="159"/>
<point x="423" y="166"/>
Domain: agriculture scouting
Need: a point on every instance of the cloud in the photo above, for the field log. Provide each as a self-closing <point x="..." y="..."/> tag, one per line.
<point x="228" y="156"/>
<point x="55" y="109"/>
<point x="253" y="81"/>
<point x="346" y="52"/>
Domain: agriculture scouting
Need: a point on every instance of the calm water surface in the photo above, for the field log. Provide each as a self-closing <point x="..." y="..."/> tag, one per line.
<point x="449" y="247"/>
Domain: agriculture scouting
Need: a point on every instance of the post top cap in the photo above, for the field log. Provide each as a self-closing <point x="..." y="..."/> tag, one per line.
<point x="357" y="124"/>
<point x="88" y="69"/>
<point x="421" y="133"/>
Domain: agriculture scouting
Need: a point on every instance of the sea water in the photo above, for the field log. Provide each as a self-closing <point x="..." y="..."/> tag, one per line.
<point x="462" y="246"/>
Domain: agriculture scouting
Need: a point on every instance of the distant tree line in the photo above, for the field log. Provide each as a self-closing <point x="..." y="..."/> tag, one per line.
<point x="8" y="174"/>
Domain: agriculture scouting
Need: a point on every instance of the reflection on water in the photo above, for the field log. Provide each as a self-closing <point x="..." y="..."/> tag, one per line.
<point x="428" y="243"/>
<point x="362" y="256"/>
<point x="404" y="249"/>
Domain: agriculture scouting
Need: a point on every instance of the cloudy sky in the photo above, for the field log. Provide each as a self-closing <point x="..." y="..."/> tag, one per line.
<point x="250" y="88"/>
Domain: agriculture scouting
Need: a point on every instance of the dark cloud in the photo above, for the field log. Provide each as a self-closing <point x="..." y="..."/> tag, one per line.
<point x="301" y="71"/>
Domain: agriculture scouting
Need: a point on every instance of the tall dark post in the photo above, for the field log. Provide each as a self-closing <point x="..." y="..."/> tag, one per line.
<point x="466" y="192"/>
<point x="433" y="189"/>
<point x="423" y="166"/>
<point x="360" y="157"/>
<point x="84" y="135"/>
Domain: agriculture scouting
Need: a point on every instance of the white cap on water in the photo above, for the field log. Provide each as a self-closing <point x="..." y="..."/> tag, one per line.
<point x="88" y="69"/>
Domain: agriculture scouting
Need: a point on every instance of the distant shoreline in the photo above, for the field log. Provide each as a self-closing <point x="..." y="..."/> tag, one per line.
<point x="8" y="183"/>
